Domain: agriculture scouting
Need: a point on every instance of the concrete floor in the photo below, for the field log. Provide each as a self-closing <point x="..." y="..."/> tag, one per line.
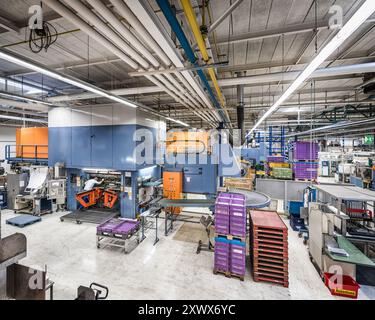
<point x="169" y="270"/>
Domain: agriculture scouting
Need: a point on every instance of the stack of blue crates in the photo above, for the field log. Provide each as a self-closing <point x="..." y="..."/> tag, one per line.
<point x="296" y="222"/>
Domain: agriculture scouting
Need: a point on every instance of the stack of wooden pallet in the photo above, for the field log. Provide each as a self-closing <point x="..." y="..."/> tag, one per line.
<point x="269" y="247"/>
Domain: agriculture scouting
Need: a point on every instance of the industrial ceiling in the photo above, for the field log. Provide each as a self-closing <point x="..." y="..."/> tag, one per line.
<point x="260" y="44"/>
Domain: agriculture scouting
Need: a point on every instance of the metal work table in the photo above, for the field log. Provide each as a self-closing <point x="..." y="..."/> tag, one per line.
<point x="188" y="203"/>
<point x="355" y="255"/>
<point x="254" y="200"/>
<point x="344" y="193"/>
<point x="152" y="213"/>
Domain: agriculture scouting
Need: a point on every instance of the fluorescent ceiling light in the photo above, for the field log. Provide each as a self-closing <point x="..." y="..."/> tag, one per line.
<point x="361" y="15"/>
<point x="21" y="86"/>
<point x="23" y="119"/>
<point x="18" y="97"/>
<point x="24" y="62"/>
<point x="177" y="121"/>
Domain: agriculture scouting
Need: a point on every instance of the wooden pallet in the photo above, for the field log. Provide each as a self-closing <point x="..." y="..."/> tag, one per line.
<point x="269" y="255"/>
<point x="229" y="274"/>
<point x="230" y="237"/>
<point x="283" y="282"/>
<point x="277" y="246"/>
<point x="262" y="264"/>
<point x="271" y="271"/>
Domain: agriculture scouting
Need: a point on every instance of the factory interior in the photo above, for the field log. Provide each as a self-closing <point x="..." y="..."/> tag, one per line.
<point x="187" y="150"/>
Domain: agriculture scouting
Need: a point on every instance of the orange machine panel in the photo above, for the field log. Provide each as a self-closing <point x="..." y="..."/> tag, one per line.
<point x="172" y="187"/>
<point x="28" y="138"/>
<point x="183" y="141"/>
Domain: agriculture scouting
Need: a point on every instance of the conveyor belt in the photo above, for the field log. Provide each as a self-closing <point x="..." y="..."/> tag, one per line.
<point x="96" y="216"/>
<point x="254" y="199"/>
<point x="197" y="203"/>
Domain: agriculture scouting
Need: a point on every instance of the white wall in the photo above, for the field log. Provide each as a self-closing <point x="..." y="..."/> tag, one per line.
<point x="7" y="136"/>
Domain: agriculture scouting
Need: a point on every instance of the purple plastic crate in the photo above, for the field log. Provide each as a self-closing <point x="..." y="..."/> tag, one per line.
<point x="305" y="170"/>
<point x="222" y="254"/>
<point x="109" y="225"/>
<point x="305" y="150"/>
<point x="237" y="202"/>
<point x="238" y="231"/>
<point x="222" y="211"/>
<point x="225" y="195"/>
<point x="275" y="159"/>
<point x="238" y="196"/>
<point x="222" y="203"/>
<point x="126" y="227"/>
<point x="238" y="258"/>
<point x="222" y="224"/>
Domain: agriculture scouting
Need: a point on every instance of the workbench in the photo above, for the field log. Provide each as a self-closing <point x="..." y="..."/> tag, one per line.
<point x="355" y="255"/>
<point x="339" y="193"/>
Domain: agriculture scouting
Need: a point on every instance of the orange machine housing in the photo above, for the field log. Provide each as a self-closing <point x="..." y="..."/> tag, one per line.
<point x="184" y="141"/>
<point x="172" y="188"/>
<point x="32" y="143"/>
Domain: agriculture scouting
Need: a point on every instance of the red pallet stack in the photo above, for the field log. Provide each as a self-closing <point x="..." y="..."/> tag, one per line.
<point x="269" y="247"/>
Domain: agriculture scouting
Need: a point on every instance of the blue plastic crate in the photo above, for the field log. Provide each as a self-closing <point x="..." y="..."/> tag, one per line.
<point x="297" y="223"/>
<point x="294" y="207"/>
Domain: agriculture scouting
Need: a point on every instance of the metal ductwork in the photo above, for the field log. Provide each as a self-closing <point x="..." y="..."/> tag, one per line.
<point x="241" y="111"/>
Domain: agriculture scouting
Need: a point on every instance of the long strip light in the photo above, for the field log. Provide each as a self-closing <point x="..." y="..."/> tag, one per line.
<point x="23" y="119"/>
<point x="18" y="97"/>
<point x="178" y="121"/>
<point x="361" y="15"/>
<point x="22" y="86"/>
<point x="24" y="62"/>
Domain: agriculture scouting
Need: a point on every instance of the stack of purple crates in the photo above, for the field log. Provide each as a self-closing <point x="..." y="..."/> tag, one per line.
<point x="230" y="227"/>
<point x="305" y="160"/>
<point x="278" y="159"/>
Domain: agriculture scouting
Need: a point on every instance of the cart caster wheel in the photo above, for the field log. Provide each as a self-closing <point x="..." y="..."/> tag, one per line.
<point x="299" y="235"/>
<point x="305" y="242"/>
<point x="98" y="246"/>
<point x="79" y="222"/>
<point x="61" y="219"/>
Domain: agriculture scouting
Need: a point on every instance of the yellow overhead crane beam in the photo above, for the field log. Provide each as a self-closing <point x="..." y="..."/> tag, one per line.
<point x="192" y="19"/>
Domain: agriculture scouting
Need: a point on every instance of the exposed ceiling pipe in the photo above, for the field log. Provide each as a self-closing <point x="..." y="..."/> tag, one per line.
<point x="241" y="111"/>
<point x="167" y="84"/>
<point x="126" y="13"/>
<point x="22" y="98"/>
<point x="26" y="112"/>
<point x="224" y="15"/>
<point x="292" y="75"/>
<point x="339" y="125"/>
<point x="171" y="18"/>
<point x="170" y="83"/>
<point x="148" y="25"/>
<point x="106" y="31"/>
<point x="24" y="105"/>
<point x="119" y="92"/>
<point x="23" y="119"/>
<point x="65" y="12"/>
<point x="192" y="20"/>
<point x="120" y="28"/>
<point x="263" y="78"/>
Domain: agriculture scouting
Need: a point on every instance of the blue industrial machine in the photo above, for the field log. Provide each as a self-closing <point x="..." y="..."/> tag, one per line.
<point x="203" y="170"/>
<point x="112" y="141"/>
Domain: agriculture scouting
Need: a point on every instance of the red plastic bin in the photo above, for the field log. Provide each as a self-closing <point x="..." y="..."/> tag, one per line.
<point x="349" y="287"/>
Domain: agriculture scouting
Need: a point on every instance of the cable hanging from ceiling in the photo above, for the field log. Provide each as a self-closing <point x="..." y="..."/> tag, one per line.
<point x="42" y="38"/>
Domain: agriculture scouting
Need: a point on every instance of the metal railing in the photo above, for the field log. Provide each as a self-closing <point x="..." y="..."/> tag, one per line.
<point x="35" y="153"/>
